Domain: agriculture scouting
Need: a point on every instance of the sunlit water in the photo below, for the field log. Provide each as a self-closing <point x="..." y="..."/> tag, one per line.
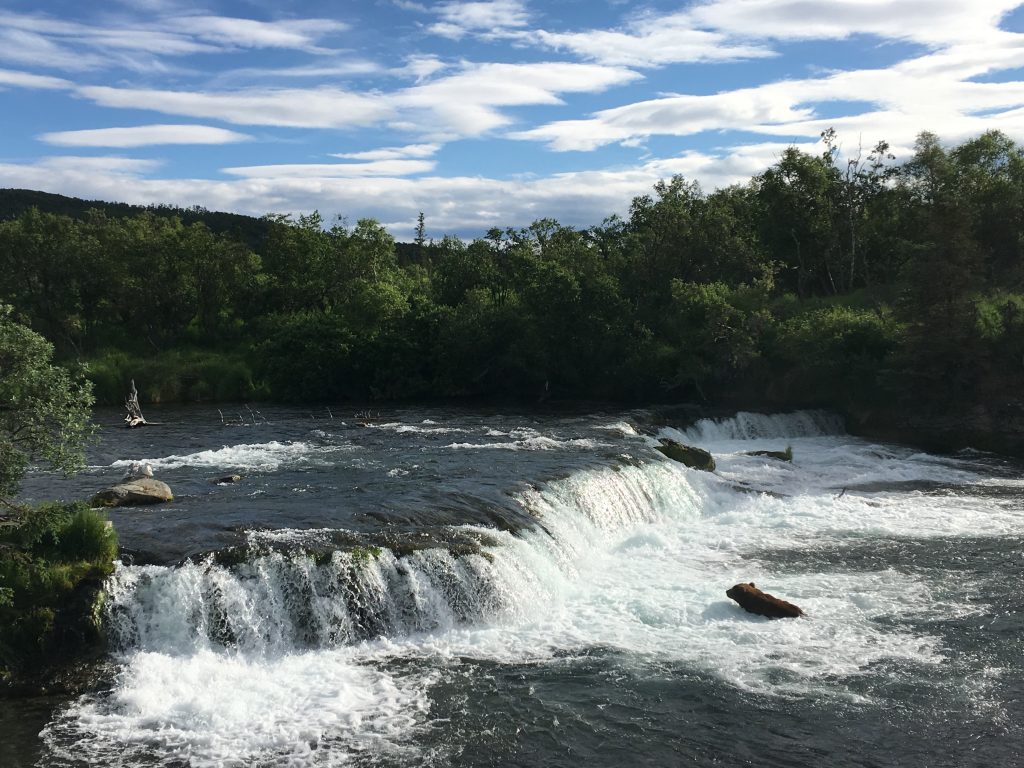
<point x="457" y="588"/>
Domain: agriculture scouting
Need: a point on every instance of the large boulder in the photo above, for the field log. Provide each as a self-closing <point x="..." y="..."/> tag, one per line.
<point x="753" y="600"/>
<point x="144" y="490"/>
<point x="697" y="458"/>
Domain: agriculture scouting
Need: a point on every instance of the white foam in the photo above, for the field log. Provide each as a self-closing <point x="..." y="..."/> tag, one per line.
<point x="418" y="430"/>
<point x="533" y="443"/>
<point x="621" y="427"/>
<point x="758" y="426"/>
<point x="263" y="457"/>
<point x="629" y="560"/>
<point x="215" y="709"/>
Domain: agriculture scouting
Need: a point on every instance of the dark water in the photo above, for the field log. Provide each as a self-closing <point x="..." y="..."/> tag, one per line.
<point x="444" y="587"/>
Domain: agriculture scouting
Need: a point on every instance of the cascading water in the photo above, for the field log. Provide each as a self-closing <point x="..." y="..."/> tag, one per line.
<point x="300" y="654"/>
<point x="289" y="600"/>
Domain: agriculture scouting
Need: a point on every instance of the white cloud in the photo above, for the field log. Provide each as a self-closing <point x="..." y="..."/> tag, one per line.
<point x="925" y="21"/>
<point x="466" y="103"/>
<point x="491" y="17"/>
<point x="143" y="136"/>
<point x="297" y="108"/>
<point x="87" y="167"/>
<point x="300" y="34"/>
<point x="724" y="30"/>
<point x="392" y="153"/>
<point x="652" y="42"/>
<point x="47" y="41"/>
<point x="30" y="80"/>
<point x="324" y="69"/>
<point x="929" y="92"/>
<point x="421" y="67"/>
<point x="393" y="167"/>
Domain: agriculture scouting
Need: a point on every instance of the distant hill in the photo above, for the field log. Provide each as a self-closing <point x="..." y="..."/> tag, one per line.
<point x="251" y="230"/>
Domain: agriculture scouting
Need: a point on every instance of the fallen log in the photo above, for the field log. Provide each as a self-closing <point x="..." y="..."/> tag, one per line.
<point x="753" y="600"/>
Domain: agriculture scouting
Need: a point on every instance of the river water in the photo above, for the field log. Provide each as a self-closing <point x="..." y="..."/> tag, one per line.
<point x="435" y="587"/>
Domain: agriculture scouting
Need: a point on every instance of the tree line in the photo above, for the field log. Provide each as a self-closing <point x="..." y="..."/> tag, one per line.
<point x="825" y="280"/>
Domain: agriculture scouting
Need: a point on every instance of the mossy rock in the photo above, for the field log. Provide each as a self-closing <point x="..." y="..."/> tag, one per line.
<point x="697" y="458"/>
<point x="145" y="490"/>
<point x="786" y="455"/>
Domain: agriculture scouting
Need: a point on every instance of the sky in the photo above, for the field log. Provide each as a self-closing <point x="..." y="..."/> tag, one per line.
<point x="478" y="114"/>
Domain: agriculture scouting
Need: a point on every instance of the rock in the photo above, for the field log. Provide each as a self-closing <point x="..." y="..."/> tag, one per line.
<point x="144" y="490"/>
<point x="753" y="600"/>
<point x="227" y="480"/>
<point x="697" y="458"/>
<point x="786" y="455"/>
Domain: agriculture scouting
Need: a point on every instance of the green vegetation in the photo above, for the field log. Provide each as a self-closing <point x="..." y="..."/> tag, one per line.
<point x="52" y="561"/>
<point x="52" y="557"/>
<point x="863" y="284"/>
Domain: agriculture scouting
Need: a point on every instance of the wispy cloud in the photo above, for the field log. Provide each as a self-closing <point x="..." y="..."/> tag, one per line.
<point x="653" y="42"/>
<point x="392" y="168"/>
<point x="298" y="108"/>
<point x="75" y="46"/>
<point x="924" y="21"/>
<point x="224" y="31"/>
<point x="392" y="153"/>
<point x="905" y="100"/>
<point x="30" y="80"/>
<point x="487" y="18"/>
<point x="466" y="103"/>
<point x="143" y="136"/>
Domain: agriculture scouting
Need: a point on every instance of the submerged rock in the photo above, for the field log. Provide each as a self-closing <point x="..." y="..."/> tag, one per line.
<point x="786" y="455"/>
<point x="753" y="600"/>
<point x="144" y="490"/>
<point x="697" y="458"/>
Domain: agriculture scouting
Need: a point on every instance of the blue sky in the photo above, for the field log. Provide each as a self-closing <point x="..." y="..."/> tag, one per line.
<point x="479" y="114"/>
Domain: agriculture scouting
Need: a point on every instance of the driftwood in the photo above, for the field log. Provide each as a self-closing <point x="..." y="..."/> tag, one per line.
<point x="134" y="417"/>
<point x="753" y="600"/>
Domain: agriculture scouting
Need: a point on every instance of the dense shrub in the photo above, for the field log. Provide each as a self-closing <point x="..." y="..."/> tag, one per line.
<point x="47" y="555"/>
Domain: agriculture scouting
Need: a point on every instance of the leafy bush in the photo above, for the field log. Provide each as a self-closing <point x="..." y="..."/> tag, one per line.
<point x="178" y="375"/>
<point x="88" y="536"/>
<point x="47" y="554"/>
<point x="833" y="356"/>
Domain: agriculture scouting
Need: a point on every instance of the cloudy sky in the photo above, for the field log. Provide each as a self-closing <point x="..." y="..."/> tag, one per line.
<point x="479" y="114"/>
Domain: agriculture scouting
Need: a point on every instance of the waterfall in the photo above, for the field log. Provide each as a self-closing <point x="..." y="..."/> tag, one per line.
<point x="760" y="426"/>
<point x="285" y="600"/>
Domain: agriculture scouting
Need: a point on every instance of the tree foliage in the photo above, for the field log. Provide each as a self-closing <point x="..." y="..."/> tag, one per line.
<point x="44" y="409"/>
<point x="905" y="277"/>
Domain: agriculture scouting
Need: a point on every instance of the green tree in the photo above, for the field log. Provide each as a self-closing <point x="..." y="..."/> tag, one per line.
<point x="44" y="409"/>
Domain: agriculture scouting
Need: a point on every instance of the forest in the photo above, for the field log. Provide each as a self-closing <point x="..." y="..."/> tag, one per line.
<point x="872" y="285"/>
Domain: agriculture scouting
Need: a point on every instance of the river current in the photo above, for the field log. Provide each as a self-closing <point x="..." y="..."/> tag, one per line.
<point x="437" y="587"/>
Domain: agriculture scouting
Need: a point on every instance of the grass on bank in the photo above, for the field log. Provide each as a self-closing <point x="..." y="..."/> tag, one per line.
<point x="177" y="375"/>
<point x="50" y="557"/>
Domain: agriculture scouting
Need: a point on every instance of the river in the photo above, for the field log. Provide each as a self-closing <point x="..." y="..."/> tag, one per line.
<point x="436" y="586"/>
